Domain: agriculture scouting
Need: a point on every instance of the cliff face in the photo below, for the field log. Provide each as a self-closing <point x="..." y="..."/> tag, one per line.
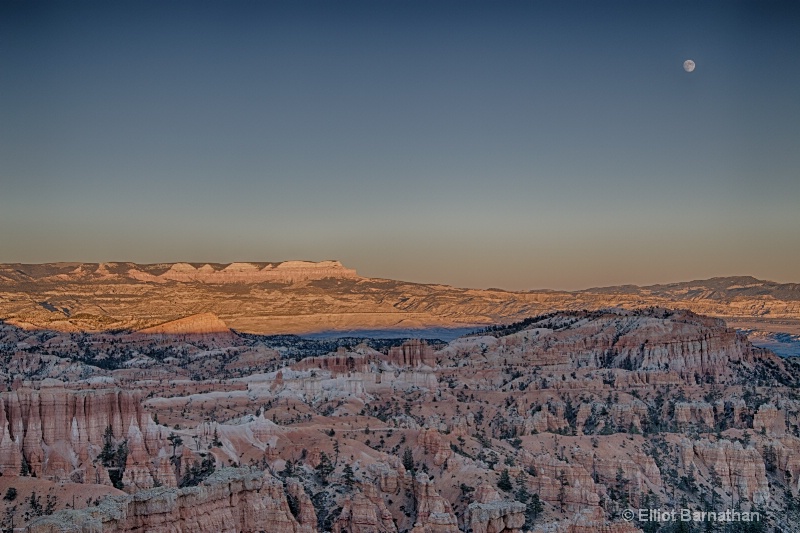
<point x="230" y="501"/>
<point x="60" y="433"/>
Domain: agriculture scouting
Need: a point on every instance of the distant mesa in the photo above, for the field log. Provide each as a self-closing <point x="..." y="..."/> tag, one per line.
<point x="286" y="272"/>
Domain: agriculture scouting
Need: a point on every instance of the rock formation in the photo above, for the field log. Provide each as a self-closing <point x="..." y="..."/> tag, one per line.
<point x="411" y="354"/>
<point x="60" y="432"/>
<point x="230" y="501"/>
<point x="434" y="513"/>
<point x="737" y="469"/>
<point x="365" y="512"/>
<point x="431" y="442"/>
<point x="490" y="514"/>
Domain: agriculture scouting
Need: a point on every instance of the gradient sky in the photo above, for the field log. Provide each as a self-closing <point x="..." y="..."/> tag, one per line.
<point x="496" y="144"/>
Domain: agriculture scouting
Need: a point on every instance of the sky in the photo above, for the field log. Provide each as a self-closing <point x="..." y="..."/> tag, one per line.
<point x="519" y="145"/>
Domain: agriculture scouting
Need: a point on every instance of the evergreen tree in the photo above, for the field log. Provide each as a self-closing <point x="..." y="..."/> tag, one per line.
<point x="324" y="468"/>
<point x="215" y="442"/>
<point x="349" y="476"/>
<point x="288" y="469"/>
<point x="562" y="491"/>
<point x="504" y="483"/>
<point x="35" y="504"/>
<point x="107" y="454"/>
<point x="175" y="440"/>
<point x="533" y="509"/>
<point x="408" y="461"/>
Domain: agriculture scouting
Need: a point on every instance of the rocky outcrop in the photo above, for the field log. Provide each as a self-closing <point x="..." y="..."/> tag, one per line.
<point x="306" y="516"/>
<point x="342" y="362"/>
<point x="737" y="469"/>
<point x="548" y="418"/>
<point x="365" y="512"/>
<point x="590" y="520"/>
<point x="651" y="341"/>
<point x="769" y="420"/>
<point x="490" y="514"/>
<point x="431" y="442"/>
<point x="434" y="513"/>
<point x="698" y="413"/>
<point x="230" y="501"/>
<point x="411" y="353"/>
<point x="557" y="480"/>
<point x="388" y="479"/>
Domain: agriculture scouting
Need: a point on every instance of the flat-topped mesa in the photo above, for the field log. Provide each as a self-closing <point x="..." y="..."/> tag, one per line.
<point x="286" y="272"/>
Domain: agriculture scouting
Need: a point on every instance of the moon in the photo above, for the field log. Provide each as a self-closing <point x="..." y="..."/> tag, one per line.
<point x="688" y="65"/>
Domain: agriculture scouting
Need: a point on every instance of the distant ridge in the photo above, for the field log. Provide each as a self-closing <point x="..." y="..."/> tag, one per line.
<point x="199" y="324"/>
<point x="281" y="272"/>
<point x="304" y="297"/>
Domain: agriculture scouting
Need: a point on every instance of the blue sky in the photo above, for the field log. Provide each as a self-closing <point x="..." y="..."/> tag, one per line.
<point x="506" y="144"/>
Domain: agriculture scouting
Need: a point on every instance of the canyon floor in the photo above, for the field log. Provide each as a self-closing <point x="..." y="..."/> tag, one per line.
<point x="173" y="398"/>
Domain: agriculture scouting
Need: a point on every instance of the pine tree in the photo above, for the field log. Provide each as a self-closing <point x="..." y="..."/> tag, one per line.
<point x="324" y="468"/>
<point x="532" y="510"/>
<point x="215" y="442"/>
<point x="408" y="461"/>
<point x="562" y="491"/>
<point x="348" y="476"/>
<point x="504" y="483"/>
<point x="107" y="454"/>
<point x="175" y="440"/>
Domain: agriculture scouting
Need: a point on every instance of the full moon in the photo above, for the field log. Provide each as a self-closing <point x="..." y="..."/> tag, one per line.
<point x="688" y="65"/>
